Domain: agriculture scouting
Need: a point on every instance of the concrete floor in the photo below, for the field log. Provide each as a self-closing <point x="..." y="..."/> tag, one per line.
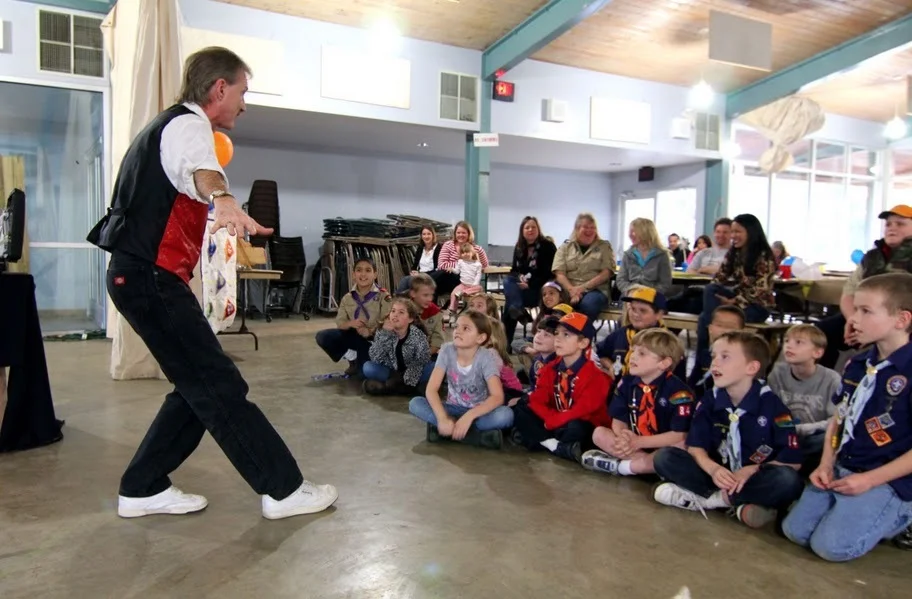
<point x="412" y="520"/>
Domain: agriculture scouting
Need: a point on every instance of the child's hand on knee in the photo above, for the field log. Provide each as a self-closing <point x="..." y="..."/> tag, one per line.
<point x="822" y="477"/>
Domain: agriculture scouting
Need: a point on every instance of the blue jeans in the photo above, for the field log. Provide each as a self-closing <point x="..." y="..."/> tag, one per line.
<point x="499" y="418"/>
<point x="838" y="527"/>
<point x="378" y="372"/>
<point x="752" y="313"/>
<point x="516" y="297"/>
<point x="772" y="486"/>
<point x="592" y="304"/>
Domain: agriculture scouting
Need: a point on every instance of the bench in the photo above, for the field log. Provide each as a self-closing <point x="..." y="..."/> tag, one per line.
<point x="773" y="332"/>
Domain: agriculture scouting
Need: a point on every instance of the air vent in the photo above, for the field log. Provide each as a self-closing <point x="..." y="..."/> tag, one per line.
<point x="458" y="97"/>
<point x="707" y="131"/>
<point x="70" y="44"/>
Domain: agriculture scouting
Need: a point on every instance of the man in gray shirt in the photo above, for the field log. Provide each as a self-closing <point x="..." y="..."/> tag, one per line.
<point x="708" y="261"/>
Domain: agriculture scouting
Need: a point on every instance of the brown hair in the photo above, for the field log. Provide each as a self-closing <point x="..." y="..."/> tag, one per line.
<point x="482" y="323"/>
<point x="204" y="68"/>
<point x="729" y="309"/>
<point x="468" y="248"/>
<point x="521" y="244"/>
<point x="661" y="342"/>
<point x="413" y="312"/>
<point x="433" y="236"/>
<point x="421" y="280"/>
<point x="813" y="334"/>
<point x="895" y="288"/>
<point x="755" y="348"/>
<point x="498" y="340"/>
<point x="490" y="304"/>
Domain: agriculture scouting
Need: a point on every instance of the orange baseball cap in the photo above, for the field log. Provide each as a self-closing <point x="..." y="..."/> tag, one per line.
<point x="902" y="210"/>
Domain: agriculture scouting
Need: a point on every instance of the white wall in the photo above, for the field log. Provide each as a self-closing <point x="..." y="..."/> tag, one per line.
<point x="317" y="185"/>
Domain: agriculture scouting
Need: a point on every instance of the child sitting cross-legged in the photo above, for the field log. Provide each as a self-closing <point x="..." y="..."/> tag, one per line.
<point x="570" y="396"/>
<point x="400" y="357"/>
<point x="806" y="388"/>
<point x="651" y="409"/>
<point x="861" y="493"/>
<point x="554" y="298"/>
<point x="473" y="411"/>
<point x="743" y="450"/>
<point x="543" y="344"/>
<point x="360" y="313"/>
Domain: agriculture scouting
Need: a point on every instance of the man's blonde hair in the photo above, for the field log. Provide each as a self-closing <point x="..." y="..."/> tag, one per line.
<point x="810" y="332"/>
<point x="661" y="342"/>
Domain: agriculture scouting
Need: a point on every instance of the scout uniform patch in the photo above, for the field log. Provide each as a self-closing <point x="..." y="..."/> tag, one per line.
<point x="896" y="384"/>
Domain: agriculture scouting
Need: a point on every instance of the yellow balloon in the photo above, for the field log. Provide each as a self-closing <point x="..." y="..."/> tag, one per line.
<point x="224" y="149"/>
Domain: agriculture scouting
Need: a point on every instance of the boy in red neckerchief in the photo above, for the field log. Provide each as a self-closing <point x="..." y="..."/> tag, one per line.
<point x="570" y="396"/>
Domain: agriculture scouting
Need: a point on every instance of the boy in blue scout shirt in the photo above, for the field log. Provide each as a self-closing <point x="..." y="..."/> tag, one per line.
<point x="743" y="450"/>
<point x="725" y="318"/>
<point x="647" y="306"/>
<point x="651" y="408"/>
<point x="862" y="491"/>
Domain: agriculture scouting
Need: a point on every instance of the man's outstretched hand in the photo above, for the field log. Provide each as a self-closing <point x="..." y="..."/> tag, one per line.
<point x="228" y="215"/>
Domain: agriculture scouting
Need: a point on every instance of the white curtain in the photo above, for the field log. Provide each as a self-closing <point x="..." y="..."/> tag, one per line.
<point x="142" y="39"/>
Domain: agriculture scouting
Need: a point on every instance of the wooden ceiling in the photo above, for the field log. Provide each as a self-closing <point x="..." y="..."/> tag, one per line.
<point x="472" y="24"/>
<point x="657" y="40"/>
<point x="668" y="40"/>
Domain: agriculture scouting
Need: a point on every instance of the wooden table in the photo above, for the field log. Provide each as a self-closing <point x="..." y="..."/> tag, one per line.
<point x="497" y="271"/>
<point x="251" y="274"/>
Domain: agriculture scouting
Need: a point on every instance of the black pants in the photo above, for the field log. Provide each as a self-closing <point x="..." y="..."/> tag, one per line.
<point x="209" y="392"/>
<point x="834" y="329"/>
<point x="446" y="282"/>
<point x="772" y="486"/>
<point x="336" y="342"/>
<point x="532" y="430"/>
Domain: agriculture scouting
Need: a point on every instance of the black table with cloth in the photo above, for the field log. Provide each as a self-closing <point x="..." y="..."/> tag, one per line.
<point x="29" y="420"/>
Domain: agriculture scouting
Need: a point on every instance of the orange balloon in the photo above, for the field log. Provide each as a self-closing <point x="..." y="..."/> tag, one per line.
<point x="224" y="149"/>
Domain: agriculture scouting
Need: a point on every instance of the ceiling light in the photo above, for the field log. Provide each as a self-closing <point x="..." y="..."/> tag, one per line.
<point x="701" y="95"/>
<point x="385" y="36"/>
<point x="730" y="150"/>
<point x="895" y="129"/>
<point x="423" y="144"/>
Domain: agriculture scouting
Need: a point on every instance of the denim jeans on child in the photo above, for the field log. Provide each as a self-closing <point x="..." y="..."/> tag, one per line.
<point x="336" y="342"/>
<point x="209" y="392"/>
<point x="771" y="486"/>
<point x="499" y="418"/>
<point x="378" y="372"/>
<point x="838" y="527"/>
<point x="752" y="313"/>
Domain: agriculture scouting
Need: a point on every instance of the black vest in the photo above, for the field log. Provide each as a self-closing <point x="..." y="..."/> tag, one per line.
<point x="143" y="196"/>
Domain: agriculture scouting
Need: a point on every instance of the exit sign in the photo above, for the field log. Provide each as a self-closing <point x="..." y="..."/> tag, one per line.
<point x="504" y="90"/>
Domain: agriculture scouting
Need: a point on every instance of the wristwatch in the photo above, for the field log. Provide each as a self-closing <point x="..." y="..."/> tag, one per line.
<point x="217" y="194"/>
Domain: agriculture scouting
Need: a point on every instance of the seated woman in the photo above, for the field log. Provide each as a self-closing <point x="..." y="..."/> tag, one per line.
<point x="702" y="242"/>
<point x="779" y="252"/>
<point x="893" y="252"/>
<point x="646" y="263"/>
<point x="532" y="260"/>
<point x="584" y="266"/>
<point x="427" y="256"/>
<point x="449" y="255"/>
<point x="745" y="278"/>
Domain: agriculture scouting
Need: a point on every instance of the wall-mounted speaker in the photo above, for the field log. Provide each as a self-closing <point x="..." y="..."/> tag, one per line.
<point x="646" y="173"/>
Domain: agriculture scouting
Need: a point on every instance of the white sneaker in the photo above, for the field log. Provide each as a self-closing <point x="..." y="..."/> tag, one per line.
<point x="170" y="501"/>
<point x="599" y="461"/>
<point x="672" y="495"/>
<point x="308" y="499"/>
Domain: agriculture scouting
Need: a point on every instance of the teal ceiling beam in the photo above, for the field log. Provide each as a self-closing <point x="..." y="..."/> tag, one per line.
<point x="544" y="26"/>
<point x="838" y="58"/>
<point x="98" y="6"/>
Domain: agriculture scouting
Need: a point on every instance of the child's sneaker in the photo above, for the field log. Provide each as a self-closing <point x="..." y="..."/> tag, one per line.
<point x="487" y="439"/>
<point x="433" y="435"/>
<point x="353" y="369"/>
<point x="904" y="539"/>
<point x="755" y="516"/>
<point x="672" y="495"/>
<point x="569" y="451"/>
<point x="599" y="461"/>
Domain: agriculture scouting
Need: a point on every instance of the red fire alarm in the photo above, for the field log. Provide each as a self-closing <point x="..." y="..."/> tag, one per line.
<point x="504" y="91"/>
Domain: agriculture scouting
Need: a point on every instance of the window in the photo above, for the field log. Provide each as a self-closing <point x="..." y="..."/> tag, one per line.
<point x="672" y="211"/>
<point x="824" y="206"/>
<point x="458" y="95"/>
